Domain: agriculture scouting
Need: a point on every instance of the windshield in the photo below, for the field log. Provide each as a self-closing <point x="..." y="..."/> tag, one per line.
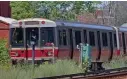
<point x="47" y="35"/>
<point x="32" y="34"/>
<point x="17" y="37"/>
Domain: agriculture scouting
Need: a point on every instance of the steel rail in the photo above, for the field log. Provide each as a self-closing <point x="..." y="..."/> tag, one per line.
<point x="107" y="75"/>
<point x="92" y="75"/>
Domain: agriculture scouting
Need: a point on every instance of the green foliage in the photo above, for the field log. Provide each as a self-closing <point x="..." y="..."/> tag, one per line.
<point x="65" y="10"/>
<point x="61" y="67"/>
<point x="117" y="62"/>
<point x="22" y="9"/>
<point x="78" y="7"/>
<point x="55" y="10"/>
<point x="4" y="56"/>
<point x="91" y="6"/>
<point x="85" y="65"/>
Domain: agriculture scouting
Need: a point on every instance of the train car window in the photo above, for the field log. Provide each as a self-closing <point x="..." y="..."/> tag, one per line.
<point x="32" y="34"/>
<point x="92" y="38"/>
<point x="123" y="41"/>
<point x="17" y="37"/>
<point x="120" y="39"/>
<point x="98" y="45"/>
<point x="104" y="39"/>
<point x="62" y="37"/>
<point x="77" y="37"/>
<point x="85" y="36"/>
<point x="115" y="41"/>
<point x="47" y="35"/>
<point x="110" y="45"/>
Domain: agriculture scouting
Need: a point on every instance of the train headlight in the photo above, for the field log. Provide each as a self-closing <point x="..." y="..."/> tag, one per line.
<point x="49" y="53"/>
<point x="14" y="54"/>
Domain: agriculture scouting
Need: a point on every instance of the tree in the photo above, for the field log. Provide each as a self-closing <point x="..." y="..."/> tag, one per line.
<point x="55" y="10"/>
<point x="22" y="10"/>
<point x="117" y="13"/>
<point x="91" y="6"/>
<point x="120" y="12"/>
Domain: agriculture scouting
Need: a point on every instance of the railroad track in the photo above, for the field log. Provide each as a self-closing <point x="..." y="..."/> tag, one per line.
<point x="92" y="75"/>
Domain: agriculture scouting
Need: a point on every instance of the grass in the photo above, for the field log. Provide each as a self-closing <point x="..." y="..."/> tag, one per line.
<point x="61" y="67"/>
<point x="117" y="62"/>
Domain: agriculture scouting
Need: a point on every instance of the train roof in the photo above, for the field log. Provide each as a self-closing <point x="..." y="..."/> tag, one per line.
<point x="34" y="22"/>
<point x="36" y="19"/>
<point x="59" y="23"/>
<point x="92" y="26"/>
<point x="51" y="23"/>
<point x="7" y="20"/>
<point x="83" y="25"/>
<point x="123" y="27"/>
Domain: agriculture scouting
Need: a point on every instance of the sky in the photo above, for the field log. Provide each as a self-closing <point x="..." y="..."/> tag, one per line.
<point x="102" y="4"/>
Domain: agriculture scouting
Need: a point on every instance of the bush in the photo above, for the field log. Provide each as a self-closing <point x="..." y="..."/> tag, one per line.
<point x="117" y="62"/>
<point x="4" y="56"/>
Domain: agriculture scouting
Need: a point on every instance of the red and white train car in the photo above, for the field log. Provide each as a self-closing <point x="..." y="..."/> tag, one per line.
<point x="65" y="36"/>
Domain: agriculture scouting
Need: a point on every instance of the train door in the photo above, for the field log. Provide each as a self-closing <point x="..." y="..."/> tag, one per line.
<point x="114" y="44"/>
<point x="64" y="52"/>
<point x="85" y="36"/>
<point x="110" y="45"/>
<point x="71" y="43"/>
<point x="105" y="46"/>
<point x="92" y="40"/>
<point x="31" y="34"/>
<point x="77" y="40"/>
<point x="99" y="45"/>
<point x="123" y="42"/>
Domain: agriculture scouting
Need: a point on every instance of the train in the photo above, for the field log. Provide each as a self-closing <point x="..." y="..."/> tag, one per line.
<point x="59" y="40"/>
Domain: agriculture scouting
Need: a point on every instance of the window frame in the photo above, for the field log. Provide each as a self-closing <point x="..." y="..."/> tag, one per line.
<point x="85" y="41"/>
<point x="120" y="40"/>
<point x="54" y="38"/>
<point x="115" y="47"/>
<point x="95" y="37"/>
<point x="112" y="39"/>
<point x="58" y="36"/>
<point x="10" y="42"/>
<point x="25" y="38"/>
<point x="75" y="37"/>
<point x="81" y="33"/>
<point x="123" y="41"/>
<point x="107" y="39"/>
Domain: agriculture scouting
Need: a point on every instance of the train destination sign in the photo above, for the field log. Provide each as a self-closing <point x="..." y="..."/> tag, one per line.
<point x="31" y="22"/>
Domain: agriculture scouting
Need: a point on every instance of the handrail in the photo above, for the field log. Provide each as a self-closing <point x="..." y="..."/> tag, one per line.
<point x="117" y="37"/>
